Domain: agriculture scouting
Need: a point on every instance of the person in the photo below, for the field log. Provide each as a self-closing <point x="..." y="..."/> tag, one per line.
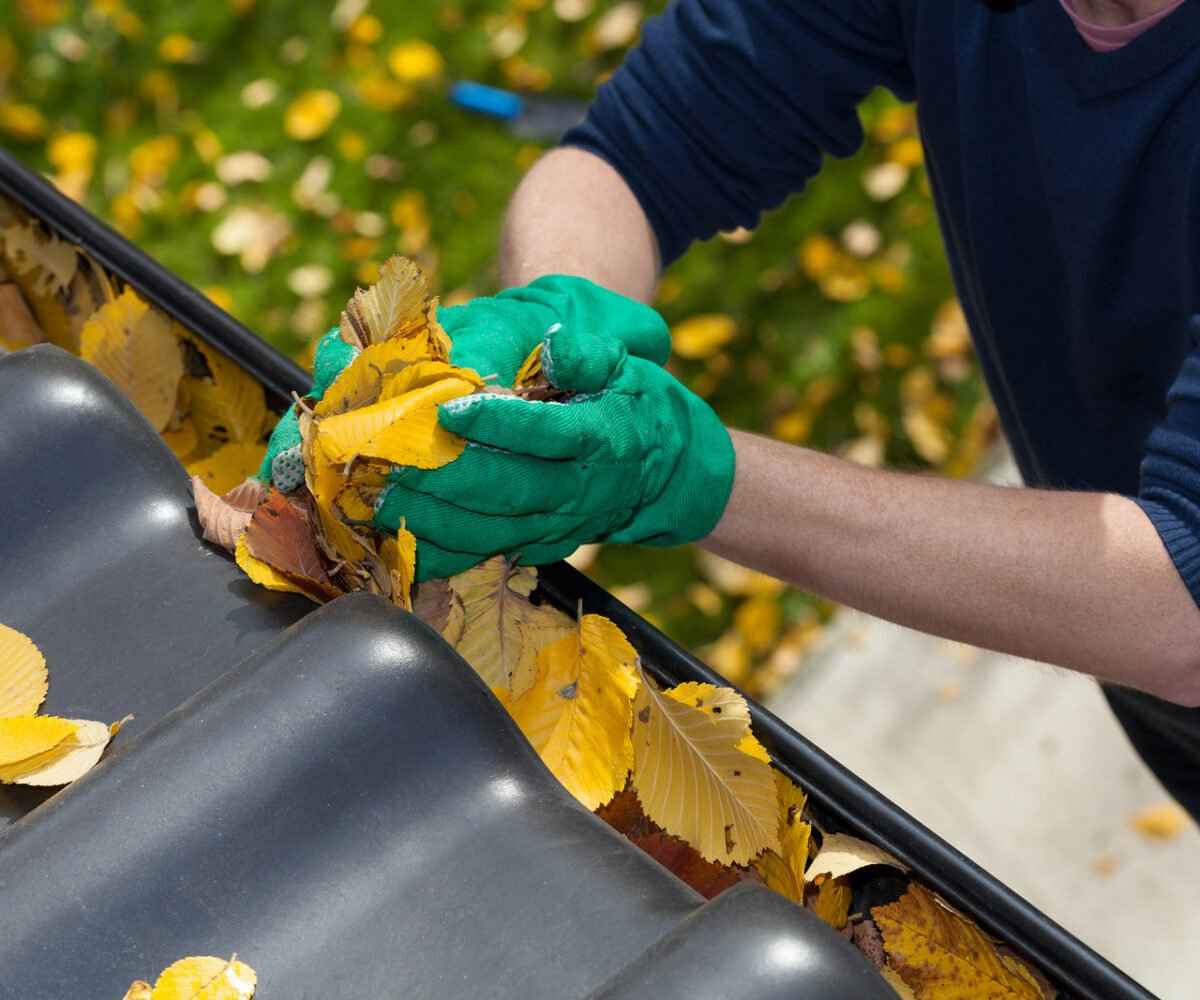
<point x="1062" y="139"/>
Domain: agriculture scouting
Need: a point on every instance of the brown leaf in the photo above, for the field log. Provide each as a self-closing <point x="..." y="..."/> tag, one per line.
<point x="222" y="519"/>
<point x="624" y="814"/>
<point x="280" y="534"/>
<point x="18" y="328"/>
<point x="869" y="941"/>
<point x="432" y="604"/>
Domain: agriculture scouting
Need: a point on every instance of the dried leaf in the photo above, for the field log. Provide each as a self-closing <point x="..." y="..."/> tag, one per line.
<point x="360" y="382"/>
<point x="794" y="833"/>
<point x="67" y="761"/>
<point x="280" y="534"/>
<point x="1161" y="822"/>
<point x="228" y="466"/>
<point x="456" y="623"/>
<point x="18" y="328"/>
<point x="530" y="373"/>
<point x="432" y="604"/>
<point x="502" y="631"/>
<point x="23" y="676"/>
<point x="263" y="574"/>
<point x="182" y="441"/>
<point x="374" y="314"/>
<point x="134" y="346"/>
<point x="46" y="259"/>
<point x="943" y="957"/>
<point x="139" y="989"/>
<point x="25" y="737"/>
<point x="842" y="854"/>
<point x="403" y="430"/>
<point x="228" y="405"/>
<point x="694" y="782"/>
<point x="224" y="518"/>
<point x="832" y="902"/>
<point x="624" y="814"/>
<point x="579" y="709"/>
<point x="892" y="978"/>
<point x="325" y="480"/>
<point x="399" y="556"/>
<point x="869" y="941"/>
<point x="779" y="877"/>
<point x="206" y="978"/>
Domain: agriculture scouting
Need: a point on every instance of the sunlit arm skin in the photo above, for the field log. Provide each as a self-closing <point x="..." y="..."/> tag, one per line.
<point x="1080" y="580"/>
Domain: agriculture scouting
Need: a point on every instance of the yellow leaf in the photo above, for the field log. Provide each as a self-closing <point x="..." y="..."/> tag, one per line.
<point x="749" y="745"/>
<point x="403" y="430"/>
<point x="229" y="406"/>
<point x="206" y="978"/>
<point x="833" y="902"/>
<point x="23" y="676"/>
<point x="48" y="262"/>
<point x="262" y="573"/>
<point x="415" y="61"/>
<point x="24" y="737"/>
<point x="842" y="854"/>
<point x="757" y="621"/>
<point x="310" y="115"/>
<point x="502" y="632"/>
<point x="944" y="957"/>
<point x="578" y="712"/>
<point x="69" y="760"/>
<point x="402" y="379"/>
<point x="779" y="877"/>
<point x="692" y="779"/>
<point x="373" y="315"/>
<point x="892" y="978"/>
<point x="133" y="345"/>
<point x="325" y="481"/>
<point x="794" y="833"/>
<point x="1162" y="822"/>
<point x="18" y="328"/>
<point x="182" y="441"/>
<point x="228" y="466"/>
<point x="702" y="336"/>
<point x="139" y="989"/>
<point x="399" y="556"/>
<point x="359" y="382"/>
<point x="530" y="372"/>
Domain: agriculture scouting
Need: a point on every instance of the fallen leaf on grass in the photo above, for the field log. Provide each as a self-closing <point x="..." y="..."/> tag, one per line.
<point x="23" y="676"/>
<point x="841" y="854"/>
<point x="694" y="782"/>
<point x="940" y="954"/>
<point x="578" y="711"/>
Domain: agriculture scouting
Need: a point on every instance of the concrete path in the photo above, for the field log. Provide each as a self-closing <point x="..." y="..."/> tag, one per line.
<point x="1024" y="769"/>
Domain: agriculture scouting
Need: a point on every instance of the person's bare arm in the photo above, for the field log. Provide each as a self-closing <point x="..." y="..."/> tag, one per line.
<point x="573" y="214"/>
<point x="1080" y="580"/>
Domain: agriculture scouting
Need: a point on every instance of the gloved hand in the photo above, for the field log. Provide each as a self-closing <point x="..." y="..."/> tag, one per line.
<point x="634" y="456"/>
<point x="495" y="335"/>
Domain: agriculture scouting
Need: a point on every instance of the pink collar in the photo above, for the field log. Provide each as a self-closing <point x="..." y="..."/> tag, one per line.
<point x="1105" y="38"/>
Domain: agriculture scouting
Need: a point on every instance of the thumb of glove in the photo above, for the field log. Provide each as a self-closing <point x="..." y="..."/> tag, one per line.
<point x="579" y="360"/>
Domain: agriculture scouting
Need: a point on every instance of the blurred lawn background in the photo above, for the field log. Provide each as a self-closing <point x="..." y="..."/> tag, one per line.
<point x="275" y="153"/>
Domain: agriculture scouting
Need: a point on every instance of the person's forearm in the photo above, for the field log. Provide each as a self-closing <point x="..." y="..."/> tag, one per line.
<point x="1080" y="580"/>
<point x="573" y="214"/>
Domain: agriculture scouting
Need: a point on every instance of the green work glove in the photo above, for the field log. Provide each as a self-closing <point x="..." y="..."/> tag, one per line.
<point x="495" y="335"/>
<point x="282" y="465"/>
<point x="634" y="456"/>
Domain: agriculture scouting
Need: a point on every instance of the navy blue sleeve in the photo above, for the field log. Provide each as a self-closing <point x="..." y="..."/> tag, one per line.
<point x="726" y="106"/>
<point x="1169" y="492"/>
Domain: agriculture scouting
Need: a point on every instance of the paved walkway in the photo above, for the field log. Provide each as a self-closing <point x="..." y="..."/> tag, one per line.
<point x="1023" y="768"/>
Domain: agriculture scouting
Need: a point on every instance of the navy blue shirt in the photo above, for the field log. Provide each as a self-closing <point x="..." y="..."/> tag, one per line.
<point x="1066" y="183"/>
